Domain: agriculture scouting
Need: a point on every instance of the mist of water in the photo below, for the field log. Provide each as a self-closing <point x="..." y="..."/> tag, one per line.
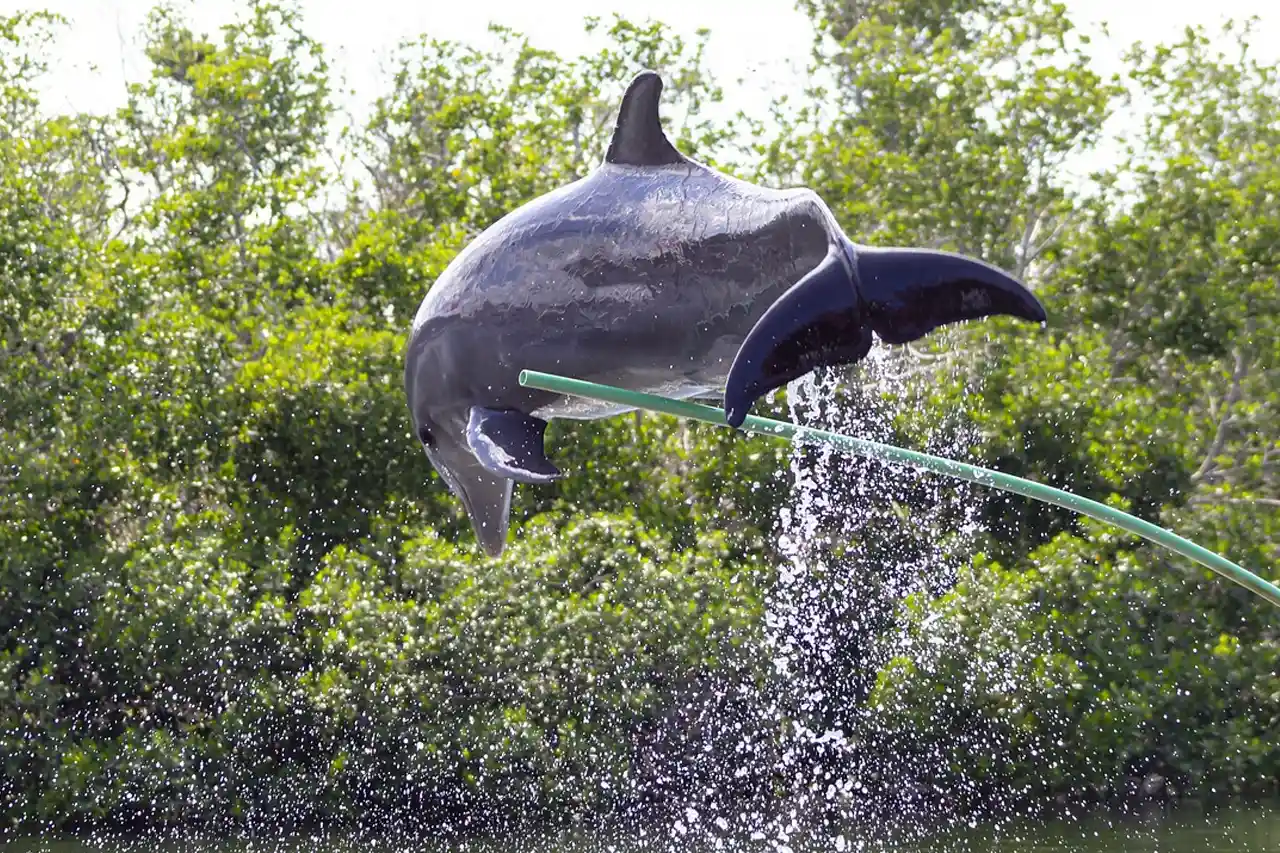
<point x="856" y="538"/>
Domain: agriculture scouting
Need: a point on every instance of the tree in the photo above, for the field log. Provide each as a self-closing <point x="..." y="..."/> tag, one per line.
<point x="1158" y="391"/>
<point x="233" y="593"/>
<point x="211" y="480"/>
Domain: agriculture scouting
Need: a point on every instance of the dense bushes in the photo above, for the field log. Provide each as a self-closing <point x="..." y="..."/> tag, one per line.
<point x="1090" y="672"/>
<point x="387" y="679"/>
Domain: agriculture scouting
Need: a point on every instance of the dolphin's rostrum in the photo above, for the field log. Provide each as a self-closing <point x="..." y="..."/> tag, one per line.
<point x="655" y="273"/>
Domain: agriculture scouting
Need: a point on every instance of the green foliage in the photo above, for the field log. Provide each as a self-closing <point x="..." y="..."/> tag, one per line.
<point x="944" y="123"/>
<point x="232" y="590"/>
<point x="1099" y="663"/>
<point x="225" y="565"/>
<point x="589" y="623"/>
<point x="1156" y="390"/>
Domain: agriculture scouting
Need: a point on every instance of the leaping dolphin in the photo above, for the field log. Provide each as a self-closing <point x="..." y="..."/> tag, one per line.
<point x="655" y="273"/>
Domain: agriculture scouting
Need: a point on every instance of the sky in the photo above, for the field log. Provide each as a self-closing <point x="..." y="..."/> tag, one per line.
<point x="763" y="47"/>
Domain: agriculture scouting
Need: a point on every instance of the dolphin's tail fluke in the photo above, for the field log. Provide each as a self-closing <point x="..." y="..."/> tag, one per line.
<point x="911" y="292"/>
<point x="827" y="317"/>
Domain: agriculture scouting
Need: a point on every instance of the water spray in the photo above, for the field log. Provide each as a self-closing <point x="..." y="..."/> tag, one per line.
<point x="901" y="456"/>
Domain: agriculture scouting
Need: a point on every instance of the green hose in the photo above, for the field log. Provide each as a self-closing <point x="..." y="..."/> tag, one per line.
<point x="889" y="453"/>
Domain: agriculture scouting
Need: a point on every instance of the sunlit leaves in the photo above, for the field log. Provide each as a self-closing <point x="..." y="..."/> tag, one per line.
<point x="1155" y="389"/>
<point x="234" y="591"/>
<point x="946" y="124"/>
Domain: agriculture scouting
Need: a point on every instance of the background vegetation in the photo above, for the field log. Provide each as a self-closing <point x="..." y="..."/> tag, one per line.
<point x="233" y="593"/>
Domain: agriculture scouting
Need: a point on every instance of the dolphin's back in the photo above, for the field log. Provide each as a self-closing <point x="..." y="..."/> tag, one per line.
<point x="631" y="276"/>
<point x="624" y="226"/>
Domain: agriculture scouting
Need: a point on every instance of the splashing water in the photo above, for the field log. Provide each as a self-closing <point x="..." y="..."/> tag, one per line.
<point x="857" y="538"/>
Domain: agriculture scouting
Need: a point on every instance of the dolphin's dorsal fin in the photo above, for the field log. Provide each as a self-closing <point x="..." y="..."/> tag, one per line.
<point x="638" y="139"/>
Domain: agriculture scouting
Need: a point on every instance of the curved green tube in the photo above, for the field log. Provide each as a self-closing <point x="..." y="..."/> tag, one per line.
<point x="889" y="453"/>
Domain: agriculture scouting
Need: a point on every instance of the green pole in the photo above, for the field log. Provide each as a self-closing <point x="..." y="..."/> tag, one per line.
<point x="889" y="453"/>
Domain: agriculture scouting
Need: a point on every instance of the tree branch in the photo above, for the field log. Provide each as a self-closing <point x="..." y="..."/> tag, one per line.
<point x="1222" y="499"/>
<point x="1224" y="418"/>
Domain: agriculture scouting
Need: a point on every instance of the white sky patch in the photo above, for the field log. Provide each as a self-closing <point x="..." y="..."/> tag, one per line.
<point x="754" y="56"/>
<point x="768" y="45"/>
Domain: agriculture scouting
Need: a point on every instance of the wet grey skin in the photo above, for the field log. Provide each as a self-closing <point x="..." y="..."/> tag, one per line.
<point x="655" y="273"/>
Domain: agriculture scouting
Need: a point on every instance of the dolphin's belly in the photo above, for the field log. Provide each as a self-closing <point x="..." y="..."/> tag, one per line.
<point x="583" y="409"/>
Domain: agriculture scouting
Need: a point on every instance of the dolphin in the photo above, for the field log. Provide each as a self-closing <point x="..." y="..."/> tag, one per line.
<point x="655" y="273"/>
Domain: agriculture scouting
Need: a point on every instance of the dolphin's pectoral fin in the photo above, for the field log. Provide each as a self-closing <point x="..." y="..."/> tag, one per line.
<point x="911" y="292"/>
<point x="508" y="443"/>
<point x="819" y="322"/>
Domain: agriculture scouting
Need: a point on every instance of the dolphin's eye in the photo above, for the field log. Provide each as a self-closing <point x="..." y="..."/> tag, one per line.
<point x="424" y="435"/>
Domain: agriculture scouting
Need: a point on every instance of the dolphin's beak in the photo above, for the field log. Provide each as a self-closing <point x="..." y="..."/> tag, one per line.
<point x="486" y="498"/>
<point x="488" y="502"/>
<point x="827" y="318"/>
